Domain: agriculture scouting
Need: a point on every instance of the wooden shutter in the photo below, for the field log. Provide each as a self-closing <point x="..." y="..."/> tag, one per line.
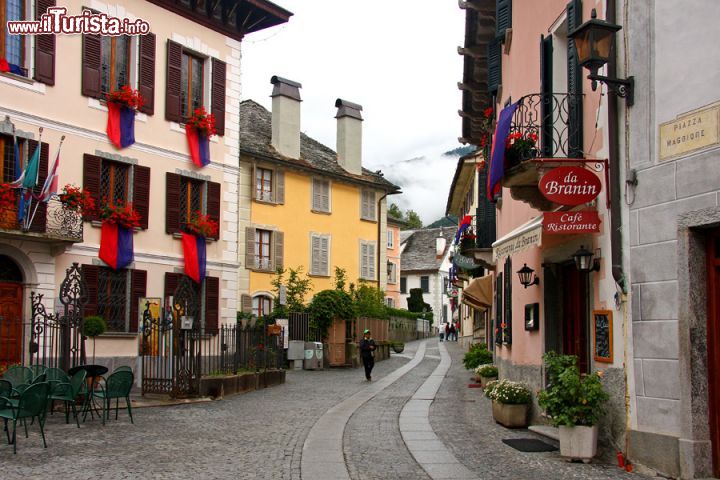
<point x="326" y="196"/>
<point x="44" y="48"/>
<point x="498" y="308"/>
<point x="363" y="260"/>
<point x="324" y="255"/>
<point x="278" y="239"/>
<point x="494" y="56"/>
<point x="39" y="223"/>
<point x="91" y="65"/>
<point x="250" y="248"/>
<point x="507" y="331"/>
<point x="213" y="204"/>
<point x="371" y="260"/>
<point x="141" y="194"/>
<point x="90" y="275"/>
<point x="503" y="18"/>
<point x="172" y="203"/>
<point x="146" y="72"/>
<point x="173" y="109"/>
<point x="574" y="82"/>
<point x="92" y="171"/>
<point x="546" y="91"/>
<point x="171" y="283"/>
<point x="138" y="288"/>
<point x="246" y="303"/>
<point x="218" y="95"/>
<point x="316" y="201"/>
<point x="212" y="303"/>
<point x="279" y="193"/>
<point x="253" y="182"/>
<point x="315" y="255"/>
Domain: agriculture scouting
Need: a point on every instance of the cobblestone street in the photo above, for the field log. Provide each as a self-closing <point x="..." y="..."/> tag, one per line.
<point x="261" y="434"/>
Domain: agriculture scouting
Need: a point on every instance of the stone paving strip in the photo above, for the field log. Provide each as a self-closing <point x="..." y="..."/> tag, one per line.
<point x="322" y="454"/>
<point x="427" y="448"/>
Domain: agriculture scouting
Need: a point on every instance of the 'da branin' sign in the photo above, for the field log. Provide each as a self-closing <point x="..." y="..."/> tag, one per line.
<point x="570" y="185"/>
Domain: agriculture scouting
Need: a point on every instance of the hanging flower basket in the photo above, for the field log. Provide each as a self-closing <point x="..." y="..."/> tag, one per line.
<point x="198" y="130"/>
<point x="520" y="147"/>
<point x="122" y="105"/>
<point x="116" y="236"/>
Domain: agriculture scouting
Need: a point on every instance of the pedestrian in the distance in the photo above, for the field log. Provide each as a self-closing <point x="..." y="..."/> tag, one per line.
<point x="367" y="352"/>
<point x="452" y="333"/>
<point x="441" y="331"/>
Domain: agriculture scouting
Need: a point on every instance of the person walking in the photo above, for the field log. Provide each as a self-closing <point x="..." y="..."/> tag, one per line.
<point x="441" y="331"/>
<point x="367" y="353"/>
<point x="452" y="333"/>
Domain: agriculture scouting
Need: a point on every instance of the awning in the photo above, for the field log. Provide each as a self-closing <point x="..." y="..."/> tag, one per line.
<point x="479" y="294"/>
<point x="522" y="238"/>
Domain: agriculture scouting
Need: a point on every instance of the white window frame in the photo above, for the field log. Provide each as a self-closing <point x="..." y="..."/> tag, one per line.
<point x="262" y="195"/>
<point x="261" y="297"/>
<point x="313" y="271"/>
<point x="392" y="273"/>
<point x="390" y="238"/>
<point x="319" y="208"/>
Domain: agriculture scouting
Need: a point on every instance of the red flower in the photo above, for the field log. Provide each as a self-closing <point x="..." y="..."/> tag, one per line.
<point x="125" y="216"/>
<point x="202" y="225"/>
<point x="7" y="197"/>
<point x="126" y="96"/>
<point x="203" y="122"/>
<point x="76" y="199"/>
<point x="487" y="112"/>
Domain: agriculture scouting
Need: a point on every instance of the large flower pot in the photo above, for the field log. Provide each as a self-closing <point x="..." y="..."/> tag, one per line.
<point x="511" y="416"/>
<point x="578" y="443"/>
<point x="485" y="380"/>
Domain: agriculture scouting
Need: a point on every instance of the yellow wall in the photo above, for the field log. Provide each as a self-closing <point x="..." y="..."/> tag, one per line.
<point x="297" y="221"/>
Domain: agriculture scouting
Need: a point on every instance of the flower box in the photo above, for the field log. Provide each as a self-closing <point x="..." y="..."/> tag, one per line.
<point x="510" y="416"/>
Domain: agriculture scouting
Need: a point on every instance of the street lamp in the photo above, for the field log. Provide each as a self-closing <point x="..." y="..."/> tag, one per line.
<point x="584" y="261"/>
<point x="526" y="275"/>
<point x="594" y="43"/>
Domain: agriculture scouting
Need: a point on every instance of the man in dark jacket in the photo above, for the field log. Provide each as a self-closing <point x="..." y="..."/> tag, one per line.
<point x="367" y="349"/>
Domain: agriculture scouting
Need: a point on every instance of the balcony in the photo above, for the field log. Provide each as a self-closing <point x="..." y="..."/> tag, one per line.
<point x="52" y="223"/>
<point x="554" y="119"/>
<point x="476" y="244"/>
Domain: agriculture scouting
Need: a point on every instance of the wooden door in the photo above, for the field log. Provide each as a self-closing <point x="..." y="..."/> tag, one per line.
<point x="574" y="315"/>
<point x="336" y="343"/>
<point x="713" y="345"/>
<point x="10" y="323"/>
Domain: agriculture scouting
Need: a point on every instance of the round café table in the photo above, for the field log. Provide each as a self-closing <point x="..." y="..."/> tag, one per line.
<point x="94" y="373"/>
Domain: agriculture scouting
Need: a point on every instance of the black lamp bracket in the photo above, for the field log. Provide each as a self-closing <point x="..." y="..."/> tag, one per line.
<point x="624" y="88"/>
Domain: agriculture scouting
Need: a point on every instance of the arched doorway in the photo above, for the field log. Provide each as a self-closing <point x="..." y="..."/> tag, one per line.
<point x="11" y="301"/>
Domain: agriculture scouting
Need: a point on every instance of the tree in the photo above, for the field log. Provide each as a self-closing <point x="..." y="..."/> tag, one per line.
<point x="394" y="211"/>
<point x="296" y="288"/>
<point x="416" y="302"/>
<point x="413" y="220"/>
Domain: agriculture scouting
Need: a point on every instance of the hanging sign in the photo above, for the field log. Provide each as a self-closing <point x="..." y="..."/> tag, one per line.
<point x="571" y="222"/>
<point x="466" y="263"/>
<point x="570" y="185"/>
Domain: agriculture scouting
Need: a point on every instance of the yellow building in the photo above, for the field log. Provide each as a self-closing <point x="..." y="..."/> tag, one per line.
<point x="310" y="207"/>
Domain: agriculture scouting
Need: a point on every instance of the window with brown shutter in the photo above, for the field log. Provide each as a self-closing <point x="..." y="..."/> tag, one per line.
<point x="246" y="303"/>
<point x="44" y="48"/>
<point x="173" y="87"/>
<point x="279" y="250"/>
<point x="92" y="168"/>
<point x="218" y="94"/>
<point x="172" y="280"/>
<point x="184" y="196"/>
<point x="90" y="275"/>
<point x="141" y="193"/>
<point x="172" y="203"/>
<point x="279" y="196"/>
<point x="192" y="83"/>
<point x="146" y="72"/>
<point x="212" y="304"/>
<point x="39" y="222"/>
<point x="250" y="248"/>
<point x="91" y="65"/>
<point x="114" y="63"/>
<point x="213" y="204"/>
<point x="138" y="289"/>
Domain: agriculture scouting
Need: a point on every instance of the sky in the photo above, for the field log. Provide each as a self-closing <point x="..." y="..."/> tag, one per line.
<point x="398" y="59"/>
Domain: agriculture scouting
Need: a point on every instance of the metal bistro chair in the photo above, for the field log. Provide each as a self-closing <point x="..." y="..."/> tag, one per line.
<point x="117" y="386"/>
<point x="67" y="392"/>
<point x="32" y="403"/>
<point x="37" y="370"/>
<point x="18" y="375"/>
<point x="19" y="389"/>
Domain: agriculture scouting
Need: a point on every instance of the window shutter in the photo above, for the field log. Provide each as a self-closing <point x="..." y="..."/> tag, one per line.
<point x="213" y="204"/>
<point x="499" y="308"/>
<point x="507" y="331"/>
<point x="91" y="65"/>
<point x="315" y="255"/>
<point x="324" y="255"/>
<point x="92" y="170"/>
<point x="173" y="84"/>
<point x="141" y="194"/>
<point x="316" y="197"/>
<point x="278" y="239"/>
<point x="218" y="95"/>
<point x="172" y="203"/>
<point x="253" y="183"/>
<point x="212" y="303"/>
<point x="325" y="196"/>
<point x="574" y="82"/>
<point x="39" y="223"/>
<point x="90" y="275"/>
<point x="363" y="260"/>
<point x="279" y="192"/>
<point x="171" y="283"/>
<point x="138" y="288"/>
<point x="371" y="260"/>
<point x="44" y="48"/>
<point x="503" y="18"/>
<point x="546" y="90"/>
<point x="494" y="56"/>
<point x="250" y="248"/>
<point x="246" y="303"/>
<point x="146" y="72"/>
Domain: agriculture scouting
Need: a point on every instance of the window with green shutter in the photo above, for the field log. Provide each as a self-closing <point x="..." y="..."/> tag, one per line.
<point x="574" y="82"/>
<point x="503" y="18"/>
<point x="494" y="59"/>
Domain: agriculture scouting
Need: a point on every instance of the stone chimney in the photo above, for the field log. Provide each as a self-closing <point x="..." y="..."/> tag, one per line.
<point x="286" y="116"/>
<point x="349" y="135"/>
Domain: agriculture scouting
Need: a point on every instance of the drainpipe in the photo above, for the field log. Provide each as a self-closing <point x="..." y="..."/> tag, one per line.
<point x="379" y="233"/>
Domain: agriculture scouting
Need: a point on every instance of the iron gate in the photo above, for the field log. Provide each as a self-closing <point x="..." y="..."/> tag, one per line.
<point x="172" y="344"/>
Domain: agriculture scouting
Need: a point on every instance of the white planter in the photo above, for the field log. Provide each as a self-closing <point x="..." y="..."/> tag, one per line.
<point x="578" y="443"/>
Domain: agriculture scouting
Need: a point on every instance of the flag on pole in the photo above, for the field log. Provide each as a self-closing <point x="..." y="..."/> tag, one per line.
<point x="51" y="182"/>
<point x="27" y="181"/>
<point x="497" y="157"/>
<point x="464" y="224"/>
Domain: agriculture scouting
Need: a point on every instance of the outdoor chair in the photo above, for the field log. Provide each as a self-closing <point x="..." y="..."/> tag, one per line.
<point x="5" y="388"/>
<point x="117" y="386"/>
<point x="67" y="392"/>
<point x="37" y="370"/>
<point x="123" y="368"/>
<point x="55" y="376"/>
<point x="18" y="375"/>
<point x="32" y="403"/>
<point x="19" y="389"/>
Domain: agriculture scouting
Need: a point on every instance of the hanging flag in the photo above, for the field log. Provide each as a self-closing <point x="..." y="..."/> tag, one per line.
<point x="28" y="178"/>
<point x="497" y="157"/>
<point x="120" y="125"/>
<point x="199" y="145"/>
<point x="51" y="182"/>
<point x="195" y="256"/>
<point x="464" y="224"/>
<point x="116" y="245"/>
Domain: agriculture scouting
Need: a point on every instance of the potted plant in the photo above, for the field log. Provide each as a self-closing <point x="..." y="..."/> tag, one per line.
<point x="510" y="402"/>
<point x="198" y="130"/>
<point x="93" y="326"/>
<point x="76" y="199"/>
<point x="519" y="147"/>
<point x="398" y="347"/>
<point x="486" y="374"/>
<point x="574" y="402"/>
<point x="467" y="241"/>
<point x="477" y="355"/>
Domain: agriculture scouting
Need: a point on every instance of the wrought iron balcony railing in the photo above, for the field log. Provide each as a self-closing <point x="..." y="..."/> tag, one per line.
<point x="49" y="222"/>
<point x="548" y="125"/>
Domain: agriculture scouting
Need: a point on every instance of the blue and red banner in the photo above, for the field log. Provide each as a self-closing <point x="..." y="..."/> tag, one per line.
<point x="6" y="66"/>
<point x="195" y="256"/>
<point x="199" y="146"/>
<point x="120" y="125"/>
<point x="464" y="224"/>
<point x="116" y="245"/>
<point x="497" y="157"/>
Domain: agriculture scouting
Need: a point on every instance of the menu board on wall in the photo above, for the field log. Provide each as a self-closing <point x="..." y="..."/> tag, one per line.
<point x="602" y="336"/>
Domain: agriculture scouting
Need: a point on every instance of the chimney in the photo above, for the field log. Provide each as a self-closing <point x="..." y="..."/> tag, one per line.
<point x="349" y="135"/>
<point x="286" y="116"/>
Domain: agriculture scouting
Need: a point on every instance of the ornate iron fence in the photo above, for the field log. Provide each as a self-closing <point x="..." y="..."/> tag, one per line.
<point x="52" y="220"/>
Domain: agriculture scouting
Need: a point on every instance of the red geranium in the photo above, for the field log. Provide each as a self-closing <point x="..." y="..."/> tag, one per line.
<point x="203" y="122"/>
<point x="7" y="196"/>
<point x="125" y="215"/>
<point x="488" y="112"/>
<point x="77" y="200"/>
<point x="126" y="96"/>
<point x="202" y="225"/>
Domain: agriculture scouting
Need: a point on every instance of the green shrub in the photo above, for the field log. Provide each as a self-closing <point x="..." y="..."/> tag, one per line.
<point x="476" y="356"/>
<point x="94" y="326"/>
<point x="487" y="371"/>
<point x="571" y="398"/>
<point x="508" y="392"/>
<point x="330" y="304"/>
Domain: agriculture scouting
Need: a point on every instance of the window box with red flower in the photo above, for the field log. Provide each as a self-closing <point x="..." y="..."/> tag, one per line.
<point x="122" y="105"/>
<point x="7" y="197"/>
<point x="76" y="199"/>
<point x="198" y="130"/>
<point x="520" y="147"/>
<point x="202" y="225"/>
<point x="467" y="241"/>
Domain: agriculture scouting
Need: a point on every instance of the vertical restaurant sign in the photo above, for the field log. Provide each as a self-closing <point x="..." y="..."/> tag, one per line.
<point x="558" y="223"/>
<point x="570" y="185"/>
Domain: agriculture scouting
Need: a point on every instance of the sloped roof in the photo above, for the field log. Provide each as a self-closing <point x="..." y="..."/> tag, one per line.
<point x="256" y="134"/>
<point x="419" y="253"/>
